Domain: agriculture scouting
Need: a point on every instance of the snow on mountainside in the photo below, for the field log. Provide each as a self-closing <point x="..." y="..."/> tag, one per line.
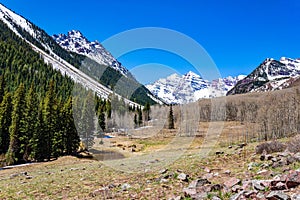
<point x="74" y="41"/>
<point x="269" y="75"/>
<point x="190" y="87"/>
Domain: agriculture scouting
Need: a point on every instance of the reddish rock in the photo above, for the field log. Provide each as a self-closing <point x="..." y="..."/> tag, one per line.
<point x="232" y="182"/>
<point x="293" y="179"/>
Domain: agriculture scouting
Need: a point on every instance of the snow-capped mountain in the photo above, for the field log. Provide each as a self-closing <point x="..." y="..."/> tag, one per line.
<point x="269" y="75"/>
<point x="190" y="87"/>
<point x="74" y="41"/>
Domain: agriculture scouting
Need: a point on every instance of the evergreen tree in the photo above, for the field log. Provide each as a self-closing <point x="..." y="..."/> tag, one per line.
<point x="39" y="143"/>
<point x="31" y="121"/>
<point x="140" y="117"/>
<point x="18" y="128"/>
<point x="5" y="122"/>
<point x="2" y="87"/>
<point x="50" y="119"/>
<point x="108" y="109"/>
<point x="171" y="118"/>
<point x="87" y="120"/>
<point x="101" y="117"/>
<point x="147" y="111"/>
<point x="135" y="120"/>
<point x="70" y="135"/>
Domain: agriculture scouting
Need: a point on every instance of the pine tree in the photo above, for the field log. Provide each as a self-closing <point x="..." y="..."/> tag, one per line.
<point x="140" y="117"/>
<point x="135" y="121"/>
<point x="2" y="87"/>
<point x="171" y="118"/>
<point x="5" y="122"/>
<point x="70" y="135"/>
<point x="147" y="111"/>
<point x="39" y="143"/>
<point x="101" y="117"/>
<point x="49" y="119"/>
<point x="31" y="121"/>
<point x="87" y="119"/>
<point x="17" y="128"/>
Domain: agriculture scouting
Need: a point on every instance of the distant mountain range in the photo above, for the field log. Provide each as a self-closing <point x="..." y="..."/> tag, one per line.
<point x="190" y="87"/>
<point x="269" y="75"/>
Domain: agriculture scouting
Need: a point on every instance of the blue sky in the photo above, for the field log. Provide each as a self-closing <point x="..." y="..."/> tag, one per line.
<point x="237" y="34"/>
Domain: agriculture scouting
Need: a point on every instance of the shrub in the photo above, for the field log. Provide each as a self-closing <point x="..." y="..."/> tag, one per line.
<point x="270" y="147"/>
<point x="294" y="144"/>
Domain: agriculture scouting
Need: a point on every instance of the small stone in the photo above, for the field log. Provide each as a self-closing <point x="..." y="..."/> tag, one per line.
<point x="216" y="187"/>
<point x="236" y="188"/>
<point x="125" y="187"/>
<point x="163" y="180"/>
<point x="279" y="186"/>
<point x="198" y="182"/>
<point x="237" y="196"/>
<point x="228" y="172"/>
<point x="248" y="194"/>
<point x="262" y="172"/>
<point x="163" y="171"/>
<point x="29" y="177"/>
<point x="232" y="182"/>
<point x="229" y="147"/>
<point x="183" y="177"/>
<point x="277" y="195"/>
<point x="207" y="170"/>
<point x="215" y="198"/>
<point x="258" y="186"/>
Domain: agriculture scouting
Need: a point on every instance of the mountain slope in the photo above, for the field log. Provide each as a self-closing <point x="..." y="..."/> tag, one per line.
<point x="190" y="87"/>
<point x="269" y="75"/>
<point x="69" y="62"/>
<point x="74" y="41"/>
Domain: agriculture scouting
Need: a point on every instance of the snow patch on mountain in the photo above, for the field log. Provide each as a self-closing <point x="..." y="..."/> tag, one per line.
<point x="75" y="41"/>
<point x="190" y="87"/>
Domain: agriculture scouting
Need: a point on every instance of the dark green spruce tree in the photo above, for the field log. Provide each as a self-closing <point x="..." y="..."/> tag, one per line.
<point x="5" y="122"/>
<point x="49" y="119"/>
<point x="18" y="127"/>
<point x="171" y="118"/>
<point x="70" y="135"/>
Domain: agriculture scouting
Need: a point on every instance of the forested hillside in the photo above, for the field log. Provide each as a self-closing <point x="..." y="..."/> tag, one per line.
<point x="36" y="119"/>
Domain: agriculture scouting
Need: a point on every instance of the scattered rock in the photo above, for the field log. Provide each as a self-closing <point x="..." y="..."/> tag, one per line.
<point x="216" y="187"/>
<point x="28" y="177"/>
<point x="258" y="186"/>
<point x="237" y="196"/>
<point x="183" y="177"/>
<point x="199" y="182"/>
<point x="103" y="192"/>
<point x="207" y="170"/>
<point x="219" y="152"/>
<point x="277" y="195"/>
<point x="125" y="187"/>
<point x="215" y="198"/>
<point x="250" y="193"/>
<point x="228" y="172"/>
<point x="262" y="172"/>
<point x="163" y="171"/>
<point x="236" y="188"/>
<point x="208" y="176"/>
<point x="232" y="182"/>
<point x="293" y="179"/>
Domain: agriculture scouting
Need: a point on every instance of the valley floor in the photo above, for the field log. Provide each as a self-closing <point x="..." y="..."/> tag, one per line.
<point x="146" y="178"/>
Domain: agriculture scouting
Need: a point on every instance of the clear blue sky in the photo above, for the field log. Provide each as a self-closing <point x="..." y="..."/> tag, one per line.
<point x="237" y="34"/>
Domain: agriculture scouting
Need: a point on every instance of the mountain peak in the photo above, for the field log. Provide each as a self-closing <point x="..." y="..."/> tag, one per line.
<point x="76" y="42"/>
<point x="75" y="33"/>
